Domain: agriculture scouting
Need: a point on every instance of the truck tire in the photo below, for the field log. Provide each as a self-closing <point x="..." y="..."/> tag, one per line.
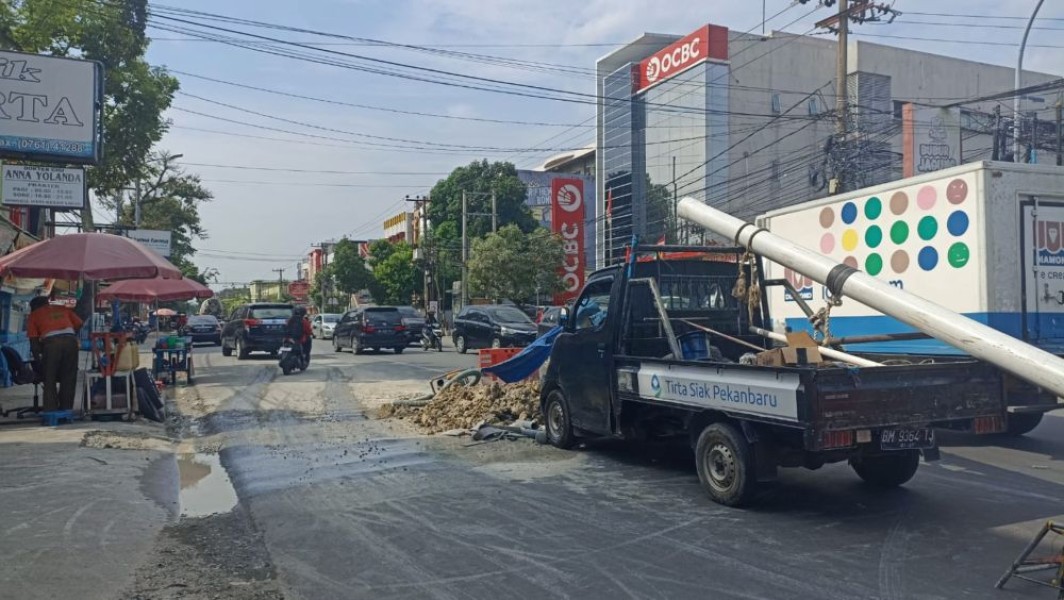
<point x="557" y="421"/>
<point x="886" y="471"/>
<point x="725" y="464"/>
<point x="1022" y="423"/>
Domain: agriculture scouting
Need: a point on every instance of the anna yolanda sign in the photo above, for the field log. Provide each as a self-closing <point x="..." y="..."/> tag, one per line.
<point x="50" y="107"/>
<point x="567" y="220"/>
<point x="708" y="42"/>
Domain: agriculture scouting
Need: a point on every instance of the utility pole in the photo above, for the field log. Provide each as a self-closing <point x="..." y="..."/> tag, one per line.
<point x="280" y="282"/>
<point x="841" y="68"/>
<point x="494" y="214"/>
<point x="136" y="204"/>
<point x="465" y="251"/>
<point x="422" y="204"/>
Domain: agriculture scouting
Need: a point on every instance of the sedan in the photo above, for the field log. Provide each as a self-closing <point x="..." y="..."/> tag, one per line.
<point x="203" y="328"/>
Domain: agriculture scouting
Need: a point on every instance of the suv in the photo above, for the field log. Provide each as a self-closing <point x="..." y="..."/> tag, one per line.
<point x="494" y="326"/>
<point x="373" y="327"/>
<point x="255" y="327"/>
<point x="414" y="323"/>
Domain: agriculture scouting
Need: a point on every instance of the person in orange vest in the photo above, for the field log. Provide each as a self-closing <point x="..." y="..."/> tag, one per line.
<point x="54" y="342"/>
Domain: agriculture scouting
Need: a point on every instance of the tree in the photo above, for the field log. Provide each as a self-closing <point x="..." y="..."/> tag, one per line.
<point x="479" y="179"/>
<point x="515" y="265"/>
<point x="348" y="269"/>
<point x="396" y="276"/>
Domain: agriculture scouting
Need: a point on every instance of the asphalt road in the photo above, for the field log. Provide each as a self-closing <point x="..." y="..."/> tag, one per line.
<point x="349" y="506"/>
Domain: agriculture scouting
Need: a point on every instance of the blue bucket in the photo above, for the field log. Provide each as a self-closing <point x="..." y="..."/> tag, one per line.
<point x="694" y="345"/>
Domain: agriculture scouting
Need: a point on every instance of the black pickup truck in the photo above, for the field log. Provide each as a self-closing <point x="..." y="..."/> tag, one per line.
<point x="635" y="361"/>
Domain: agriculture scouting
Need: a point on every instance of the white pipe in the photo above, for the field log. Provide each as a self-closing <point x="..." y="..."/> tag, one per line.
<point x="828" y="352"/>
<point x="1023" y="360"/>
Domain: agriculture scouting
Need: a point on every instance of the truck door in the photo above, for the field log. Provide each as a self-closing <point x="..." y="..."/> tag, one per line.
<point x="1042" y="263"/>
<point x="584" y="357"/>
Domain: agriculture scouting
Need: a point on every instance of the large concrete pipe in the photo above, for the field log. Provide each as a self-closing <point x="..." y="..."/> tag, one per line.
<point x="1023" y="360"/>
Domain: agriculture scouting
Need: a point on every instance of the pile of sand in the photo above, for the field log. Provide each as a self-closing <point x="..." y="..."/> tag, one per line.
<point x="463" y="407"/>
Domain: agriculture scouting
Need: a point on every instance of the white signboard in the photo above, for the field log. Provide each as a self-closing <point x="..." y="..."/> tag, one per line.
<point x="767" y="394"/>
<point x="51" y="187"/>
<point x="49" y="107"/>
<point x="158" y="241"/>
<point x="931" y="139"/>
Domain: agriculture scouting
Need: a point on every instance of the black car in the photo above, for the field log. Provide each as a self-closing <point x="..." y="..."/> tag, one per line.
<point x="414" y="323"/>
<point x="492" y="326"/>
<point x="373" y="327"/>
<point x="257" y="327"/>
<point x="203" y="328"/>
<point x="551" y="318"/>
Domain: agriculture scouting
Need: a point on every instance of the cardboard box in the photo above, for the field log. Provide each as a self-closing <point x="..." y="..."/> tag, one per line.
<point x="801" y="349"/>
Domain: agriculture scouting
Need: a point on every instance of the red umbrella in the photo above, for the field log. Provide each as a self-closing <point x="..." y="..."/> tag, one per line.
<point x="88" y="256"/>
<point x="151" y="290"/>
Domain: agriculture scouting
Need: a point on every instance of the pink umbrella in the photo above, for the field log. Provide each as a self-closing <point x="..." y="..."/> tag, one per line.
<point x="88" y="256"/>
<point x="152" y="290"/>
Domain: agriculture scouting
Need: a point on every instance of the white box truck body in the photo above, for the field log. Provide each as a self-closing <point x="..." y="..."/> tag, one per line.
<point x="983" y="239"/>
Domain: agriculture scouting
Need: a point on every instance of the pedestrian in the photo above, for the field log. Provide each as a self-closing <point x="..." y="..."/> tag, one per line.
<point x="53" y="337"/>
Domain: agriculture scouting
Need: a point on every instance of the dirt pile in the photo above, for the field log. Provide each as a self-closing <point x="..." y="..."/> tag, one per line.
<point x="462" y="407"/>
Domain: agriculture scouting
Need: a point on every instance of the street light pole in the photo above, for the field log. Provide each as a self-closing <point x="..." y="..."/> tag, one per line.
<point x="1019" y="84"/>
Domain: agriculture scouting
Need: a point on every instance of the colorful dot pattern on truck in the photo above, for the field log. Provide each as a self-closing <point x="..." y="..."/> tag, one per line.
<point x="925" y="227"/>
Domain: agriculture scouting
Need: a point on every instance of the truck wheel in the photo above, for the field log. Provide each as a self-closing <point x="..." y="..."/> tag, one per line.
<point x="887" y="470"/>
<point x="725" y="465"/>
<point x="1022" y="423"/>
<point x="559" y="425"/>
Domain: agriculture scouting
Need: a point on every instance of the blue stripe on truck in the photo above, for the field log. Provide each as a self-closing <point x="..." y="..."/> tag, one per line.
<point x="1050" y="339"/>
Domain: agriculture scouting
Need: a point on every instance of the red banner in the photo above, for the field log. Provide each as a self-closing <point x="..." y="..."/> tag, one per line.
<point x="708" y="42"/>
<point x="567" y="220"/>
<point x="299" y="290"/>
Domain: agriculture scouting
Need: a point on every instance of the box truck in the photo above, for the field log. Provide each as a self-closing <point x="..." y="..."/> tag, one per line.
<point x="983" y="239"/>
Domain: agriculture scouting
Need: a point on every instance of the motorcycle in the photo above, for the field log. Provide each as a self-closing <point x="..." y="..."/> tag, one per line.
<point x="292" y="358"/>
<point x="432" y="337"/>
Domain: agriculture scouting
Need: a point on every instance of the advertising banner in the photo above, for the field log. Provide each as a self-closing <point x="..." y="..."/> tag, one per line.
<point x="299" y="290"/>
<point x="159" y="241"/>
<point x="49" y="107"/>
<point x="567" y="220"/>
<point x="50" y="187"/>
<point x="708" y="42"/>
<point x="931" y="139"/>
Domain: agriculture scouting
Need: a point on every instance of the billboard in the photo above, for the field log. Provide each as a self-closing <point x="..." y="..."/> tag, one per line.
<point x="567" y="220"/>
<point x="49" y="187"/>
<point x="709" y="42"/>
<point x="931" y="139"/>
<point x="539" y="200"/>
<point x="159" y="241"/>
<point x="50" y="107"/>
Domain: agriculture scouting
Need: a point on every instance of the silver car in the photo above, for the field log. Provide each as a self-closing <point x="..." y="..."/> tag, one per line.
<point x="322" y="326"/>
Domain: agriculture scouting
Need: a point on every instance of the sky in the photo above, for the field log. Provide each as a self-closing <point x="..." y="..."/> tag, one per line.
<point x="347" y="180"/>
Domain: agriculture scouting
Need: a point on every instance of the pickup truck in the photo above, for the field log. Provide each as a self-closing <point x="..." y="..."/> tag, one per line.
<point x="635" y="361"/>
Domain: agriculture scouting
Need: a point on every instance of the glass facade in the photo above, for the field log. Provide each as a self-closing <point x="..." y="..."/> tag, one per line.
<point x="621" y="158"/>
<point x="675" y="137"/>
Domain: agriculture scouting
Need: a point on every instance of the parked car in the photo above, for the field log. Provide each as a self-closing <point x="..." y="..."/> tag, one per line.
<point x="256" y="327"/>
<point x="551" y="318"/>
<point x="492" y="326"/>
<point x="371" y="328"/>
<point x="322" y="325"/>
<point x="203" y="328"/>
<point x="414" y="323"/>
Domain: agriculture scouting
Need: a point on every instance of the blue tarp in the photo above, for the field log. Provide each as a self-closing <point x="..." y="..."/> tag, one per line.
<point x="527" y="362"/>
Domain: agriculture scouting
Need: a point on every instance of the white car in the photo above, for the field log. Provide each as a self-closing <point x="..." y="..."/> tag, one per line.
<point x="322" y="325"/>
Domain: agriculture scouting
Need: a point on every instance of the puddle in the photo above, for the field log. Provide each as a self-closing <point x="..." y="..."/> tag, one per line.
<point x="205" y="486"/>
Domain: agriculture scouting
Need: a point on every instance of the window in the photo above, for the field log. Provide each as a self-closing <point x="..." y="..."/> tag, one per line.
<point x="508" y="314"/>
<point x="777" y="105"/>
<point x="271" y="312"/>
<point x="593" y="306"/>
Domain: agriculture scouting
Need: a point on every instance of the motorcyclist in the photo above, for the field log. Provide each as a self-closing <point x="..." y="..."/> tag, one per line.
<point x="298" y="328"/>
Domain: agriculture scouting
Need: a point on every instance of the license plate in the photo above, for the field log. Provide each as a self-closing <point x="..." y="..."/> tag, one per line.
<point x="284" y="349"/>
<point x="906" y="439"/>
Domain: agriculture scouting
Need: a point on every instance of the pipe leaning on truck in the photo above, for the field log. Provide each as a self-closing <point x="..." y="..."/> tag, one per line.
<point x="1022" y="360"/>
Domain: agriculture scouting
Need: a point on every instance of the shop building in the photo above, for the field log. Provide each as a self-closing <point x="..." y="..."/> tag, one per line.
<point x="743" y="122"/>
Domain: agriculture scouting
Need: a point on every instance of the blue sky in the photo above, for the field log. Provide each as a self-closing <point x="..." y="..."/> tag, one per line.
<point x="262" y="220"/>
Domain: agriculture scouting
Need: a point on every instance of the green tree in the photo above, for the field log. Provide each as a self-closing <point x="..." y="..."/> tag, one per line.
<point x="348" y="269"/>
<point x="515" y="265"/>
<point x="396" y="276"/>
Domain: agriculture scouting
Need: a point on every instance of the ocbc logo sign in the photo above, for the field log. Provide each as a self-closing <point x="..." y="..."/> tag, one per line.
<point x="662" y="64"/>
<point x="569" y="197"/>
